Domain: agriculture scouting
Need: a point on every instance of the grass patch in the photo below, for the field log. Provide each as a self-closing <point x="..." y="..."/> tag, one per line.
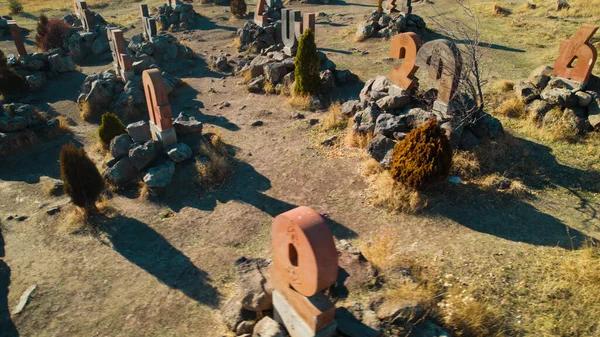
<point x="299" y="102"/>
<point x="334" y="119"/>
<point x="384" y="192"/>
<point x="512" y="107"/>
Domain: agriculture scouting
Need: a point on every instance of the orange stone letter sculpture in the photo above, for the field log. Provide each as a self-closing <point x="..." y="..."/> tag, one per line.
<point x="305" y="262"/>
<point x="123" y="62"/>
<point x="259" y="13"/>
<point x="405" y="46"/>
<point x="577" y="48"/>
<point x="442" y="59"/>
<point x="161" y="116"/>
<point x="15" y="31"/>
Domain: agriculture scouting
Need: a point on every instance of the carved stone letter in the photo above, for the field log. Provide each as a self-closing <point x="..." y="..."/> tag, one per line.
<point x="259" y="13"/>
<point x="289" y="17"/>
<point x="15" y="31"/>
<point x="405" y="46"/>
<point x="578" y="48"/>
<point x="159" y="109"/>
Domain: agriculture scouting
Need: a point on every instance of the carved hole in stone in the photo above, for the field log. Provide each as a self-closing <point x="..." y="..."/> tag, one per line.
<point x="293" y="254"/>
<point x="573" y="62"/>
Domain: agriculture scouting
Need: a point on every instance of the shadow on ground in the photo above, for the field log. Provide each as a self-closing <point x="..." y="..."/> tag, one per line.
<point x="7" y="327"/>
<point x="144" y="247"/>
<point x="512" y="217"/>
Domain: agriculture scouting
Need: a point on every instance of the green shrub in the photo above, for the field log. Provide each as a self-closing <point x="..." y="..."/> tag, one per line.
<point x="51" y="33"/>
<point x="10" y="82"/>
<point x="15" y="6"/>
<point x="422" y="157"/>
<point x="110" y="128"/>
<point x="308" y="80"/>
<point x="238" y="8"/>
<point x="82" y="180"/>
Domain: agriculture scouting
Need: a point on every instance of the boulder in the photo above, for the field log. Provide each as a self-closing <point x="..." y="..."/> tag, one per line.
<point x="388" y="124"/>
<point x="381" y="83"/>
<point x="160" y="176"/>
<point x="488" y="127"/>
<point x="345" y="76"/>
<point x="267" y="327"/>
<point x="257" y="84"/>
<point x="140" y="66"/>
<point x="179" y="152"/>
<point x="61" y="64"/>
<point x="559" y="96"/>
<point x="563" y="83"/>
<point x="352" y="261"/>
<point x="257" y="65"/>
<point x="526" y="92"/>
<point x="540" y="76"/>
<point x="364" y="93"/>
<point x="101" y="93"/>
<point x="274" y="72"/>
<point x="187" y="124"/>
<point x="583" y="98"/>
<point x="119" y="146"/>
<point x="122" y="173"/>
<point x="349" y="108"/>
<point x="468" y="140"/>
<point x="139" y="131"/>
<point x="363" y="32"/>
<point x="364" y="122"/>
<point x="538" y="109"/>
<point x="143" y="155"/>
<point x="36" y="81"/>
<point x="233" y="313"/>
<point x="381" y="148"/>
<point x="255" y="288"/>
<point x="594" y="114"/>
<point x="222" y="64"/>
<point x="393" y="102"/>
<point x="327" y="81"/>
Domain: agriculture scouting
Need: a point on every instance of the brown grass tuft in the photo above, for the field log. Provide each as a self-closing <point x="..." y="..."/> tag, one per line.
<point x="215" y="168"/>
<point x="356" y="139"/>
<point x="503" y="86"/>
<point x="299" y="102"/>
<point x="385" y="192"/>
<point x="512" y="107"/>
<point x="144" y="191"/>
<point x="334" y="119"/>
<point x="465" y="165"/>
<point x="370" y="167"/>
<point x="499" y="10"/>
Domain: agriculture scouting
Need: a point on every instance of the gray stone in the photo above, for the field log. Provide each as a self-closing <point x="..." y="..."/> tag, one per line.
<point x="101" y="93"/>
<point x="393" y="102"/>
<point x="559" y="96"/>
<point x="139" y="131"/>
<point x="364" y="93"/>
<point x="119" y="146"/>
<point x="257" y="65"/>
<point x="61" y="64"/>
<point x="315" y="103"/>
<point x="233" y="313"/>
<point x="274" y="72"/>
<point x="267" y="327"/>
<point x="36" y="81"/>
<point x="526" y="92"/>
<point x="122" y="173"/>
<point x="364" y="122"/>
<point x="377" y="95"/>
<point x="345" y="76"/>
<point x="12" y="124"/>
<point x="140" y="66"/>
<point x="100" y="46"/>
<point x="594" y="114"/>
<point x="30" y="63"/>
<point x="143" y="155"/>
<point x="540" y="76"/>
<point x="349" y="108"/>
<point x="351" y="327"/>
<point x="388" y="124"/>
<point x="222" y="64"/>
<point x="381" y="149"/>
<point x="255" y="288"/>
<point x="488" y="127"/>
<point x="327" y="81"/>
<point x="187" y="124"/>
<point x="380" y="83"/>
<point x="537" y="109"/>
<point x="563" y="83"/>
<point x="179" y="152"/>
<point x="245" y="327"/>
<point x="363" y="32"/>
<point x="583" y="98"/>
<point x="160" y="176"/>
<point x="257" y="84"/>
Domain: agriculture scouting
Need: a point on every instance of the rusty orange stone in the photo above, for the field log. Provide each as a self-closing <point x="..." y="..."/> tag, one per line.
<point x="157" y="99"/>
<point x="259" y="17"/>
<point x="405" y="46"/>
<point x="15" y="32"/>
<point x="308" y="22"/>
<point x="578" y="48"/>
<point x="305" y="262"/>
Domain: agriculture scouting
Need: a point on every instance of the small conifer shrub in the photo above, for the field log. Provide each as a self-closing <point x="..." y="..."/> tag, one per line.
<point x="82" y="180"/>
<point x="424" y="156"/>
<point x="110" y="128"/>
<point x="15" y="6"/>
<point x="238" y="8"/>
<point x="51" y="33"/>
<point x="308" y="80"/>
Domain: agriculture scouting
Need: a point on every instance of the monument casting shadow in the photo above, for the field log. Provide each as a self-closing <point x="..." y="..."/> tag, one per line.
<point x="7" y="327"/>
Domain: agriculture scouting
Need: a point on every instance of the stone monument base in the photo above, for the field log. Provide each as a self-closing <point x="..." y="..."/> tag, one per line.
<point x="293" y="322"/>
<point x="166" y="137"/>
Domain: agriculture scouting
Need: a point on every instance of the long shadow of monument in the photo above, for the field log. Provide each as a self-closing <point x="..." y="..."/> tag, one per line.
<point x="144" y="247"/>
<point x="7" y="327"/>
<point x="432" y="35"/>
<point x="511" y="217"/>
<point x="245" y="185"/>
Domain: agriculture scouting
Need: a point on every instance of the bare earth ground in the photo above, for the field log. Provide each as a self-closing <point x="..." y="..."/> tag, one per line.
<point x="153" y="274"/>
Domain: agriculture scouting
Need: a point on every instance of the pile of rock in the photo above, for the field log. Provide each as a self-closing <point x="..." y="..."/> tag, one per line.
<point x="38" y="68"/>
<point x="389" y="113"/>
<point x="107" y="92"/>
<point x="550" y="99"/>
<point x="82" y="45"/>
<point x="384" y="25"/>
<point x="4" y="30"/>
<point x="158" y="50"/>
<point x="22" y="124"/>
<point x="181" y="16"/>
<point x="75" y="21"/>
<point x="136" y="154"/>
<point x="256" y="38"/>
<point x="277" y="69"/>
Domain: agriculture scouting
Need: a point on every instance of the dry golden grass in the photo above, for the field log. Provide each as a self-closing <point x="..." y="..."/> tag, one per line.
<point x="497" y="182"/>
<point x="356" y="139"/>
<point x="299" y="102"/>
<point x="334" y="119"/>
<point x="503" y="86"/>
<point x="236" y="41"/>
<point x="370" y="167"/>
<point x="216" y="169"/>
<point x="465" y="165"/>
<point x="87" y="112"/>
<point x="385" y="192"/>
<point x="144" y="191"/>
<point x="499" y="10"/>
<point x="269" y="88"/>
<point x="512" y="107"/>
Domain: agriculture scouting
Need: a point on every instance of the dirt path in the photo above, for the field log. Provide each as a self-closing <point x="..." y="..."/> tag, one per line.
<point x="151" y="275"/>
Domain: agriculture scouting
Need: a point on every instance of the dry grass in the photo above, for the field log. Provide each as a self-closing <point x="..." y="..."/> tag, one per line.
<point x="216" y="169"/>
<point x="499" y="10"/>
<point x="370" y="167"/>
<point x="503" y="86"/>
<point x="269" y="88"/>
<point x="512" y="107"/>
<point x="334" y="119"/>
<point x="465" y="165"/>
<point x="87" y="112"/>
<point x="299" y="102"/>
<point x="356" y="139"/>
<point x="236" y="41"/>
<point x="144" y="191"/>
<point x="385" y="192"/>
<point x="497" y="182"/>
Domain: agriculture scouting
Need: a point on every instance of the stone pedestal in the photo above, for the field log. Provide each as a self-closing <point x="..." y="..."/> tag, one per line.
<point x="166" y="137"/>
<point x="294" y="323"/>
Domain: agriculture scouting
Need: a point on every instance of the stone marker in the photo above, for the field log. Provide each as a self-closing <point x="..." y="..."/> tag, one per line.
<point x="159" y="109"/>
<point x="578" y="48"/>
<point x="123" y="62"/>
<point x="305" y="262"/>
<point x="405" y="46"/>
<point x="406" y="7"/>
<point x="84" y="14"/>
<point x="293" y="25"/>
<point x="15" y="31"/>
<point x="442" y="59"/>
<point x="259" y="13"/>
<point x="148" y="22"/>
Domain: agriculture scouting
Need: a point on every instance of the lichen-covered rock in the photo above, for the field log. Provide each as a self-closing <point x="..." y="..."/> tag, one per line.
<point x="381" y="149"/>
<point x="143" y="155"/>
<point x="540" y="76"/>
<point x="180" y="152"/>
<point x="119" y="146"/>
<point x="122" y="173"/>
<point x="187" y="124"/>
<point x="160" y="176"/>
<point x="526" y="92"/>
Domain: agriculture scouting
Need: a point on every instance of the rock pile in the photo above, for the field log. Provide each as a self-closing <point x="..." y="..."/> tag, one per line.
<point x="4" y="30"/>
<point x="158" y="50"/>
<point x="389" y="113"/>
<point x="136" y="155"/>
<point x="38" y="68"/>
<point x="551" y="99"/>
<point x="256" y="38"/>
<point x="181" y="16"/>
<point x="384" y="25"/>
<point x="22" y="124"/>
<point x="106" y="92"/>
<point x="75" y="22"/>
<point x="82" y="45"/>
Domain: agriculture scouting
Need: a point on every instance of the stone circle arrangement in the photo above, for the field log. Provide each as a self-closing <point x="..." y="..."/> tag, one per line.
<point x="561" y="93"/>
<point x="390" y="22"/>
